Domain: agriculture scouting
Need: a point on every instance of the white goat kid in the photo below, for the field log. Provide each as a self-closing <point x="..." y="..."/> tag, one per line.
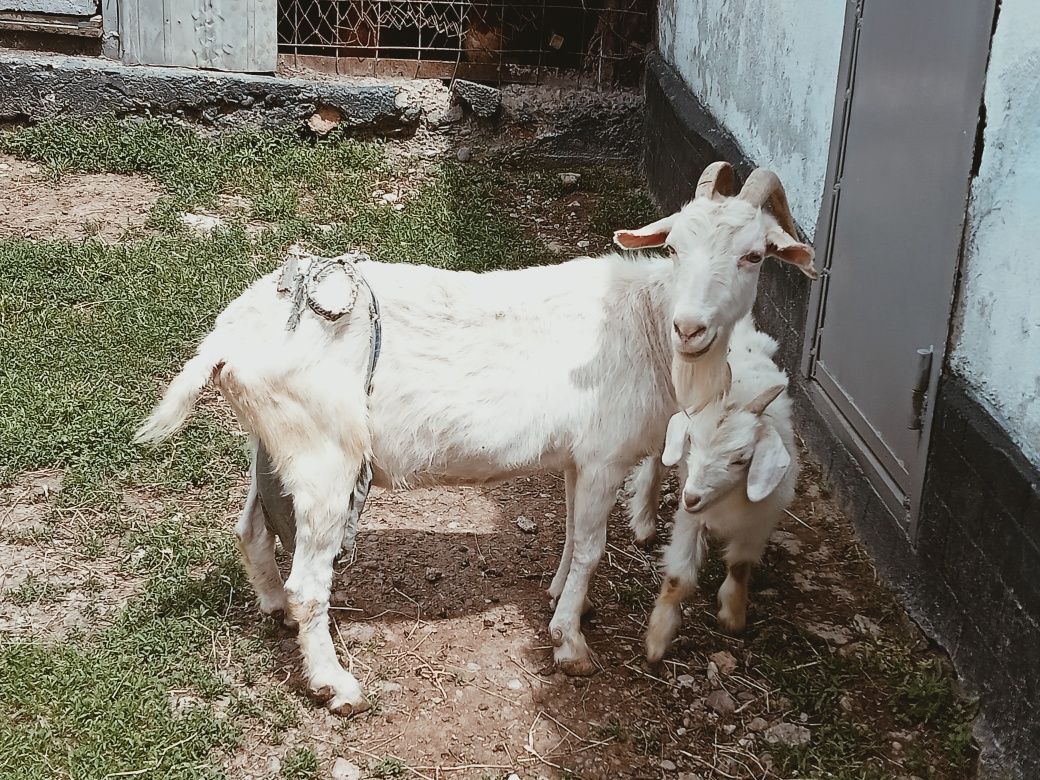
<point x="742" y="466"/>
<point x="728" y="297"/>
<point x="482" y="377"/>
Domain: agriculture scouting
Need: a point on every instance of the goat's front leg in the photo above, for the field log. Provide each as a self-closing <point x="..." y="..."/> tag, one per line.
<point x="256" y="544"/>
<point x="594" y="495"/>
<point x="741" y="555"/>
<point x="321" y="491"/>
<point x="682" y="562"/>
<point x="644" y="496"/>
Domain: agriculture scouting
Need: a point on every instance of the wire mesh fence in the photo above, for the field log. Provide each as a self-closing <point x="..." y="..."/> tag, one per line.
<point x="490" y="40"/>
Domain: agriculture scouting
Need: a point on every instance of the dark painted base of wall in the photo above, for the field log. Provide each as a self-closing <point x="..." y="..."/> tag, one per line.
<point x="972" y="578"/>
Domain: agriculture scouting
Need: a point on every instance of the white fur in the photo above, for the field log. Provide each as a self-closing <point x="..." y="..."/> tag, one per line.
<point x="482" y="377"/>
<point x="742" y="469"/>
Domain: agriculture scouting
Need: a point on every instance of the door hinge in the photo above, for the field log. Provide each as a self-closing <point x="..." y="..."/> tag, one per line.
<point x="919" y="392"/>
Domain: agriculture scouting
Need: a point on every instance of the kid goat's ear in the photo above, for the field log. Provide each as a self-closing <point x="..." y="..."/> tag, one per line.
<point x="769" y="462"/>
<point x="675" y="439"/>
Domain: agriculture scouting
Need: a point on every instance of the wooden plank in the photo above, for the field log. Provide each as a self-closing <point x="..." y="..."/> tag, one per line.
<point x="57" y="25"/>
<point x="64" y="7"/>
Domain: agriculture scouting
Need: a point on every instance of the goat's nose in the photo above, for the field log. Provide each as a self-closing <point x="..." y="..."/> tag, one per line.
<point x="691" y="501"/>
<point x="688" y="330"/>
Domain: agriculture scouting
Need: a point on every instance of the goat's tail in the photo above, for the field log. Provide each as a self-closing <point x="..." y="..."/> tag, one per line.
<point x="178" y="400"/>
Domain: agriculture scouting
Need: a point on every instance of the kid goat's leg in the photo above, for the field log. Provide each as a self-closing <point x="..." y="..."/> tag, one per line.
<point x="682" y="562"/>
<point x="321" y="483"/>
<point x="594" y="495"/>
<point x="733" y="595"/>
<point x="256" y="544"/>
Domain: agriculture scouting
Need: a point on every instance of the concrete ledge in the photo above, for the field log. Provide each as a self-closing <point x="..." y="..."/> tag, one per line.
<point x="38" y="87"/>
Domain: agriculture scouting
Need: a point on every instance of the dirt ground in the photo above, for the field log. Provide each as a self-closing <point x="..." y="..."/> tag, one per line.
<point x="443" y="613"/>
<point x="34" y="205"/>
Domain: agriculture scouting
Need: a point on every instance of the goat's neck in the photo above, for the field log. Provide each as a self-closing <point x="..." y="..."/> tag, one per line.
<point x="698" y="382"/>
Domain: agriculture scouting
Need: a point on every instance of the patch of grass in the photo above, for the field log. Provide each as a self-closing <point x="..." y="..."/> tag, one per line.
<point x="34" y="590"/>
<point x="882" y="681"/>
<point x="299" y="764"/>
<point x="93" y="706"/>
<point x="387" y="769"/>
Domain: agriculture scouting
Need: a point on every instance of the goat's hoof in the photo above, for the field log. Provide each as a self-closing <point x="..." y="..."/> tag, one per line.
<point x="577" y="667"/>
<point x="348" y="709"/>
<point x="732" y="624"/>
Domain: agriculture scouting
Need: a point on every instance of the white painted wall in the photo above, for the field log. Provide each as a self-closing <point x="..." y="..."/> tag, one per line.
<point x="767" y="70"/>
<point x="996" y="343"/>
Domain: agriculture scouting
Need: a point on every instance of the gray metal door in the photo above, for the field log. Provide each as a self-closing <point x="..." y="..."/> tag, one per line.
<point x="906" y="123"/>
<point x="236" y="35"/>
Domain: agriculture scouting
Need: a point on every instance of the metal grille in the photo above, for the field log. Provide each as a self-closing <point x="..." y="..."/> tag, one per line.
<point x="520" y="41"/>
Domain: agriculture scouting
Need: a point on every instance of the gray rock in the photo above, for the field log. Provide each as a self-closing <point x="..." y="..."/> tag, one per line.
<point x="721" y="702"/>
<point x="570" y="180"/>
<point x="667" y="766"/>
<point x="789" y="734"/>
<point x="866" y="627"/>
<point x="464" y="154"/>
<point x="758" y="724"/>
<point x="432" y="575"/>
<point x="482" y="100"/>
<point x="345" y="770"/>
<point x="526" y="524"/>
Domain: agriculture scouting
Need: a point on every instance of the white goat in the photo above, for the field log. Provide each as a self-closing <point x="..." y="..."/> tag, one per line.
<point x="694" y="388"/>
<point x="742" y="466"/>
<point x="482" y="377"/>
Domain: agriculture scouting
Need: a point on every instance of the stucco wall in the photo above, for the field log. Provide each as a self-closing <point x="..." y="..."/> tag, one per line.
<point x="767" y="70"/>
<point x="996" y="343"/>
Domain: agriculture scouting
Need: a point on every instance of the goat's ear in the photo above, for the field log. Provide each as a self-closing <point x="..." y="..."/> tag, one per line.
<point x="675" y="439"/>
<point x="769" y="462"/>
<point x="783" y="247"/>
<point x="763" y="399"/>
<point x="652" y="235"/>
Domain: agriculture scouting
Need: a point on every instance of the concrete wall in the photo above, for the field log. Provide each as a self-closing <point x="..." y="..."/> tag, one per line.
<point x="996" y="344"/>
<point x="767" y="71"/>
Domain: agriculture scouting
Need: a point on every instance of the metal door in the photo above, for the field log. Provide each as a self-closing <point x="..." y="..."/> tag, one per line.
<point x="236" y="35"/>
<point x="905" y="129"/>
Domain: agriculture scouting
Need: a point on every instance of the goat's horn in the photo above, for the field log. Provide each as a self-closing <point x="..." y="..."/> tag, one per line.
<point x="763" y="189"/>
<point x="717" y="179"/>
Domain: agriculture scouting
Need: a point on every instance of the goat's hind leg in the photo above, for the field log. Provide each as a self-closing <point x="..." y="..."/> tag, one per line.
<point x="256" y="544"/>
<point x="321" y="489"/>
<point x="644" y="495"/>
<point x="682" y="562"/>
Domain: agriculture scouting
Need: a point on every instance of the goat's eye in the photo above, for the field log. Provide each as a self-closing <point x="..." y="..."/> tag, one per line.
<point x="752" y="258"/>
<point x="740" y="460"/>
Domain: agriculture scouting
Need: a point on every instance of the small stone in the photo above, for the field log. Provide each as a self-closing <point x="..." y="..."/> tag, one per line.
<point x="681" y="731"/>
<point x="847" y="703"/>
<point x="556" y="247"/>
<point x="345" y="770"/>
<point x="721" y="702"/>
<point x="324" y="120"/>
<point x="728" y="729"/>
<point x="390" y="197"/>
<point x="432" y="575"/>
<point x="788" y="734"/>
<point x="667" y="766"/>
<point x="274" y="765"/>
<point x="724" y="661"/>
<point x="464" y="154"/>
<point x="686" y="681"/>
<point x="483" y="100"/>
<point x="390" y="687"/>
<point x="570" y="180"/>
<point x="472" y="667"/>
<point x="489" y="622"/>
<point x="515" y="685"/>
<point x="832" y="635"/>
<point x="758" y="724"/>
<point x="513" y="776"/>
<point x="526" y="524"/>
<point x="201" y="223"/>
<point x="712" y="673"/>
<point x="583" y="244"/>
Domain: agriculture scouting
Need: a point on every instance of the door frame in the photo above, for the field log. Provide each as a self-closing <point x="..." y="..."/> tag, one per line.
<point x="905" y="506"/>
